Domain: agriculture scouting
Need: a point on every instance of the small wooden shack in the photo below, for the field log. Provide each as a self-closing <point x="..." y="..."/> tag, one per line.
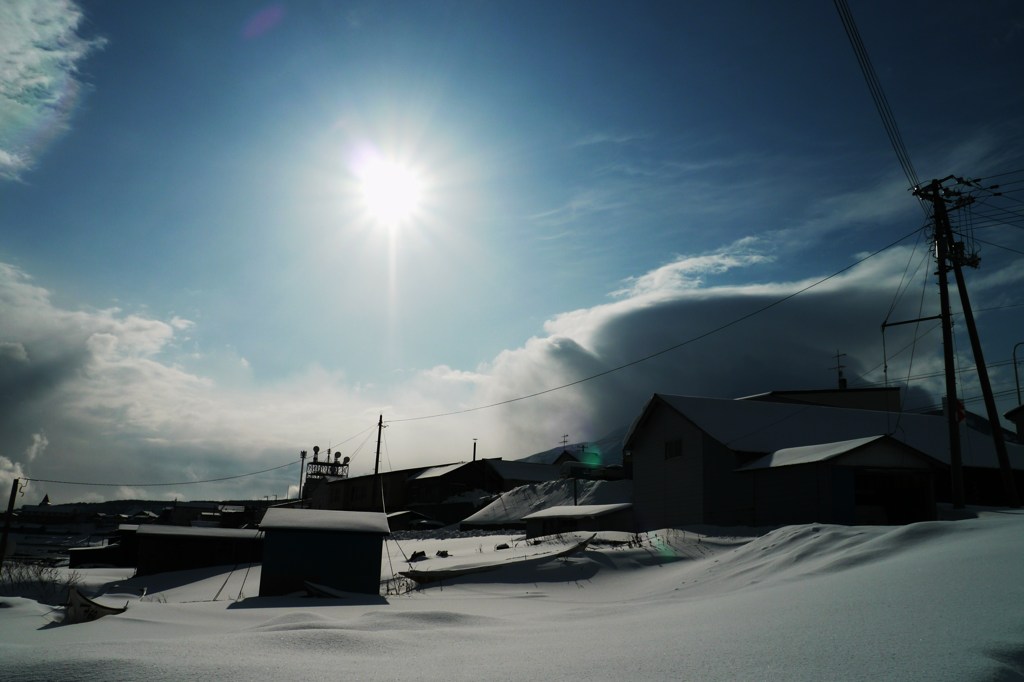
<point x="337" y="549"/>
<point x="584" y="517"/>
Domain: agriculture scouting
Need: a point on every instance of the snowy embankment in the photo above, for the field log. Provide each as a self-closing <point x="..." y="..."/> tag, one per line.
<point x="930" y="601"/>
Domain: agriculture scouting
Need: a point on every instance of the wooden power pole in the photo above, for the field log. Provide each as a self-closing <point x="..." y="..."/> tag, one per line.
<point x="7" y="519"/>
<point x="950" y="255"/>
<point x="376" y="467"/>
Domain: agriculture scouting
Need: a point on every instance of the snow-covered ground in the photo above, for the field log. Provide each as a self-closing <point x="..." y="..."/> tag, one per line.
<point x="931" y="601"/>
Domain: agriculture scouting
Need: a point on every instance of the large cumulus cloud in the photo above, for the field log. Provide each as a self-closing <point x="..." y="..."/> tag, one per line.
<point x="106" y="395"/>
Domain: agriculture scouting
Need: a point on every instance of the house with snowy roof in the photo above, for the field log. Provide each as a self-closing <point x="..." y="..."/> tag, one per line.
<point x="764" y="462"/>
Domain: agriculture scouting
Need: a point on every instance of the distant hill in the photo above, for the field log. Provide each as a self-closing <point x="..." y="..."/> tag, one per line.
<point x="606" y="450"/>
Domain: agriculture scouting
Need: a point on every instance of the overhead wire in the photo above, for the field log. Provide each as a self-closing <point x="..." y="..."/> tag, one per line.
<point x="904" y="278"/>
<point x="879" y="98"/>
<point x="1002" y="174"/>
<point x="1000" y="246"/>
<point x="663" y="351"/>
<point x="154" y="485"/>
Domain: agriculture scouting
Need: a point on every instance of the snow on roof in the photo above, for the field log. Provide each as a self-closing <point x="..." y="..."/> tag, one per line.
<point x="758" y="426"/>
<point x="514" y="505"/>
<point x="582" y="511"/>
<point x="519" y="471"/>
<point x="434" y="472"/>
<point x="196" y="531"/>
<point x="808" y="454"/>
<point x="318" y="519"/>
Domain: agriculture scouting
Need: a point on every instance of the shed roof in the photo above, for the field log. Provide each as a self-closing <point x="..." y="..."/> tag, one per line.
<point x="196" y="531"/>
<point x="583" y="511"/>
<point x="279" y="518"/>
<point x="809" y="454"/>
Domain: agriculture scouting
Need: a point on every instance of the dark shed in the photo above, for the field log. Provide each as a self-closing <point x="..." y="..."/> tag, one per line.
<point x="178" y="548"/>
<point x="339" y="549"/>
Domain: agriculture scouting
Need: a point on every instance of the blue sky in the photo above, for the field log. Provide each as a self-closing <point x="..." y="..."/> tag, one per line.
<point x="192" y="287"/>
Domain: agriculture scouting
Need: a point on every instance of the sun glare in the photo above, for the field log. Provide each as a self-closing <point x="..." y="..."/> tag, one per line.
<point x="391" y="191"/>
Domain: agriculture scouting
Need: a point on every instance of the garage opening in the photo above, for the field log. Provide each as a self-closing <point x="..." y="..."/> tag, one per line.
<point x="894" y="497"/>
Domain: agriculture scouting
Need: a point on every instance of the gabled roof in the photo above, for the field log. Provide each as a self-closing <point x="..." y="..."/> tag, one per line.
<point x="763" y="427"/>
<point x="279" y="518"/>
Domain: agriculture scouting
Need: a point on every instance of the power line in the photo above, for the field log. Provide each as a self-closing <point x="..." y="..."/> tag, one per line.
<point x="1000" y="246"/>
<point x="154" y="485"/>
<point x="663" y="351"/>
<point x="1004" y="174"/>
<point x="878" y="95"/>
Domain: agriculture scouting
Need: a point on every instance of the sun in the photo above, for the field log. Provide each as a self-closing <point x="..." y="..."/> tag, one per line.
<point x="392" y="192"/>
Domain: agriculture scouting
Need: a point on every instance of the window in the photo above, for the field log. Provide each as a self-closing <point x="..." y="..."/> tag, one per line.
<point x="673" y="448"/>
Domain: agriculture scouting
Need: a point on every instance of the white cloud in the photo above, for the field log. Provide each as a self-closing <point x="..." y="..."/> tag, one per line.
<point x="8" y="472"/>
<point x="108" y="392"/>
<point x="689" y="272"/>
<point x="40" y="52"/>
<point x="37" y="447"/>
<point x="609" y="138"/>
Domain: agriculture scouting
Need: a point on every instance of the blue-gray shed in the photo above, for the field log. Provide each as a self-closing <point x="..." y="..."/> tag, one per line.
<point x="339" y="549"/>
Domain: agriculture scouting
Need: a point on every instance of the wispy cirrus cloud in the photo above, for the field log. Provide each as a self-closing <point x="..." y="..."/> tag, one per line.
<point x="608" y="138"/>
<point x="40" y="53"/>
<point x="690" y="272"/>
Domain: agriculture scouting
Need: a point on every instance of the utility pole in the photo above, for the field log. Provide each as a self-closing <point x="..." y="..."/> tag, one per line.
<point x="376" y="467"/>
<point x="474" y="449"/>
<point x="941" y="220"/>
<point x="302" y="468"/>
<point x="7" y="519"/>
<point x="950" y="255"/>
<point x="839" y="370"/>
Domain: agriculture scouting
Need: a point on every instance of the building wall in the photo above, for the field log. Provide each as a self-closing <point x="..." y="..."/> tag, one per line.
<point x="728" y="496"/>
<point x="621" y="520"/>
<point x="356" y="494"/>
<point x="667" y="491"/>
<point x="162" y="553"/>
<point x="801" y="494"/>
<point x="344" y="561"/>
